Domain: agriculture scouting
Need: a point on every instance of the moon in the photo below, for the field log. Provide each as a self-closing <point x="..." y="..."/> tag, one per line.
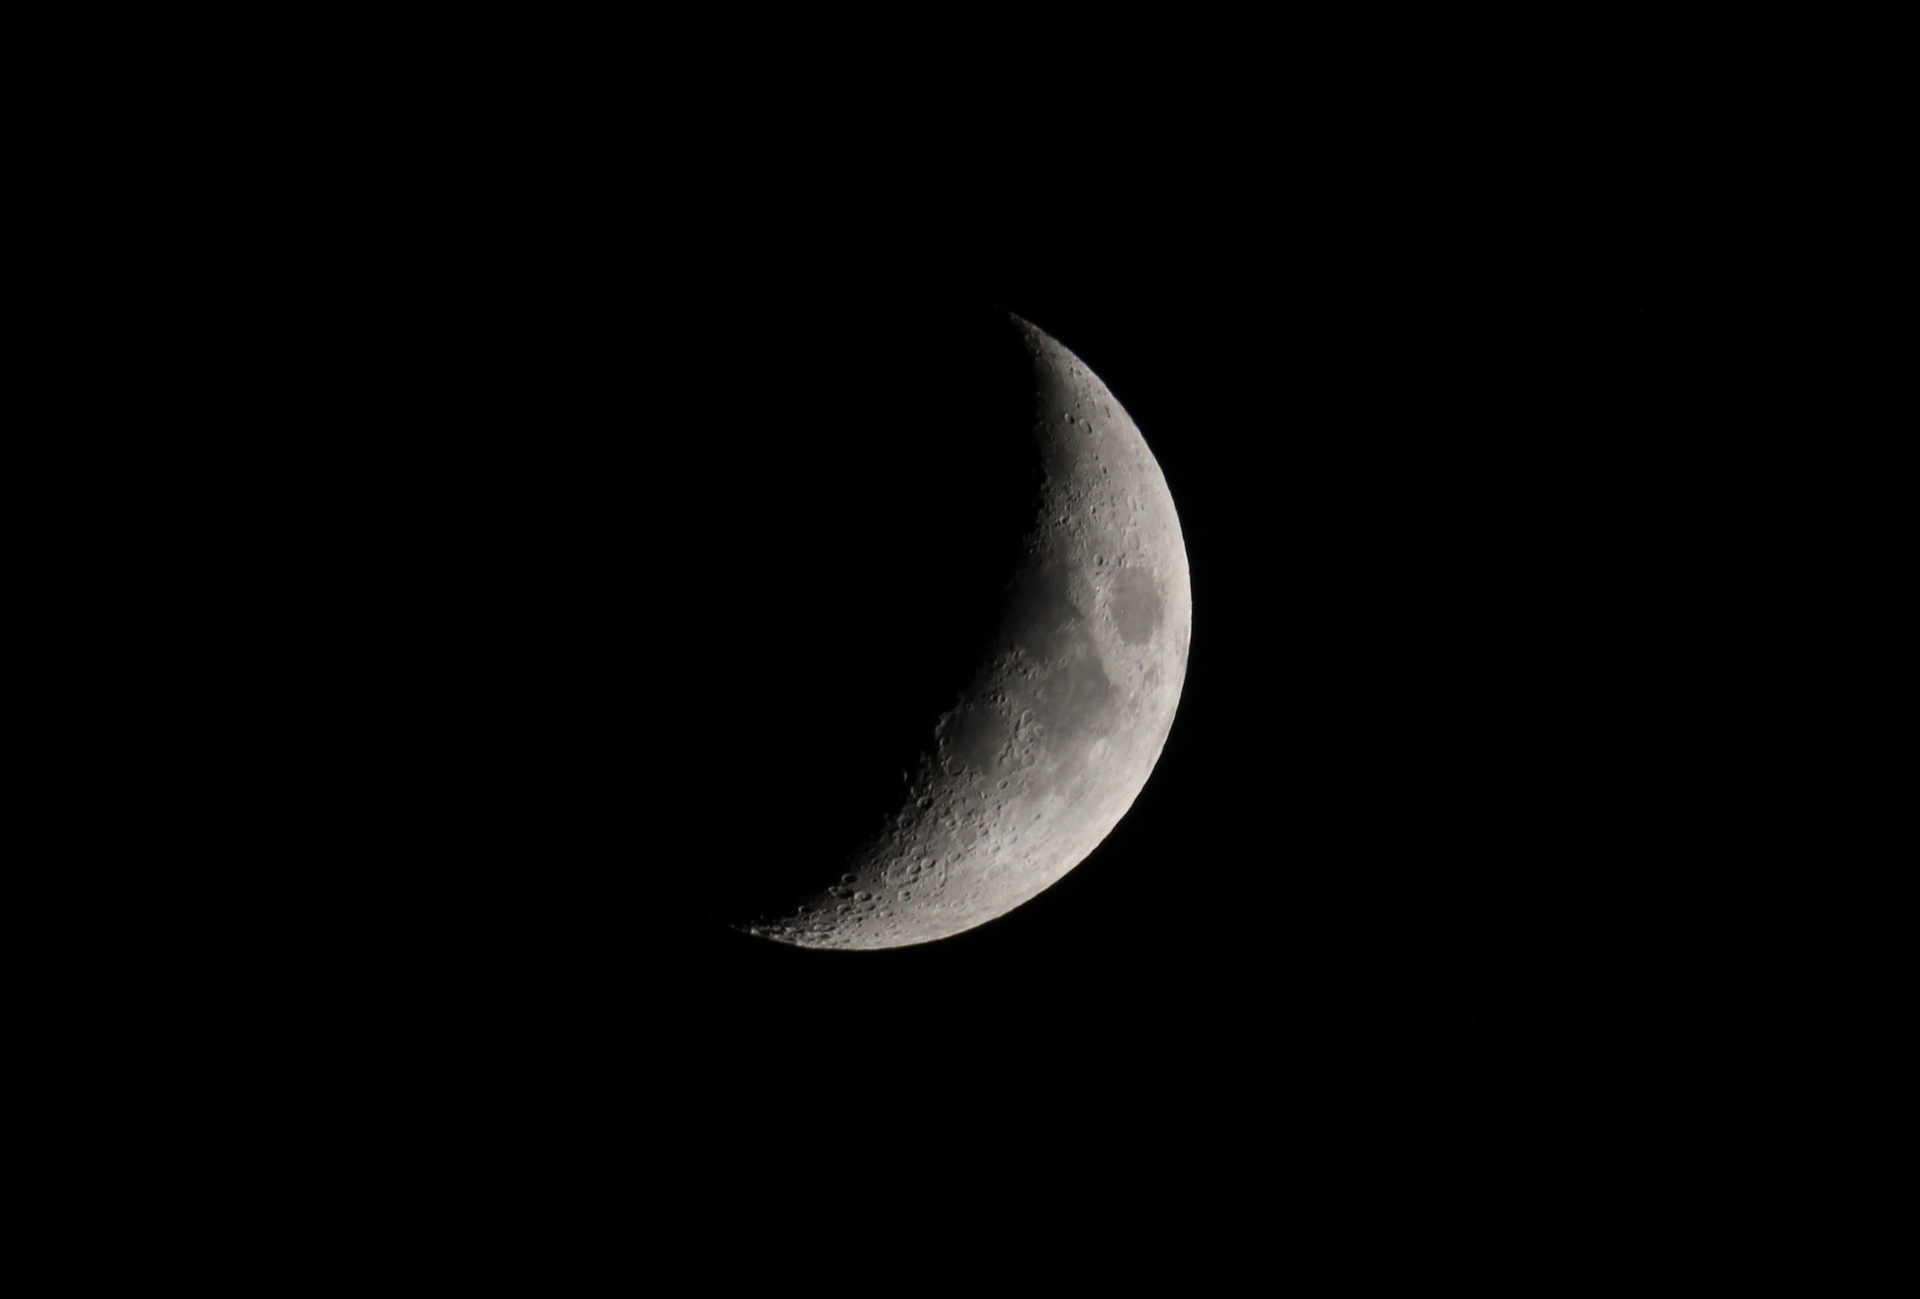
<point x="1056" y="734"/>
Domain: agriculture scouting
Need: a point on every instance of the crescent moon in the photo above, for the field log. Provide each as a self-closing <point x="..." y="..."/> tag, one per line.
<point x="1057" y="733"/>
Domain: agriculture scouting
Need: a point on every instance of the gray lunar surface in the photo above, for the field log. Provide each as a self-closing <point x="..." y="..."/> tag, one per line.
<point x="1056" y="735"/>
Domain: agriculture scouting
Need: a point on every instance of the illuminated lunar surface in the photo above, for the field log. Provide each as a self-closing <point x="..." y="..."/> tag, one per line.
<point x="1053" y="739"/>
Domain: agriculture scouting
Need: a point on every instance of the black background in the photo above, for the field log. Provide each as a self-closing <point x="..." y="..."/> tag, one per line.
<point x="528" y="480"/>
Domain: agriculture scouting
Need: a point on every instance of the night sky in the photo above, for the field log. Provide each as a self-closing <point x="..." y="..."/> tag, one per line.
<point x="547" y="488"/>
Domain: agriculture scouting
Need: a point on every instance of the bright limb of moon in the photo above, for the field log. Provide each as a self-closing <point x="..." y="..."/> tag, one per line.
<point x="1056" y="735"/>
